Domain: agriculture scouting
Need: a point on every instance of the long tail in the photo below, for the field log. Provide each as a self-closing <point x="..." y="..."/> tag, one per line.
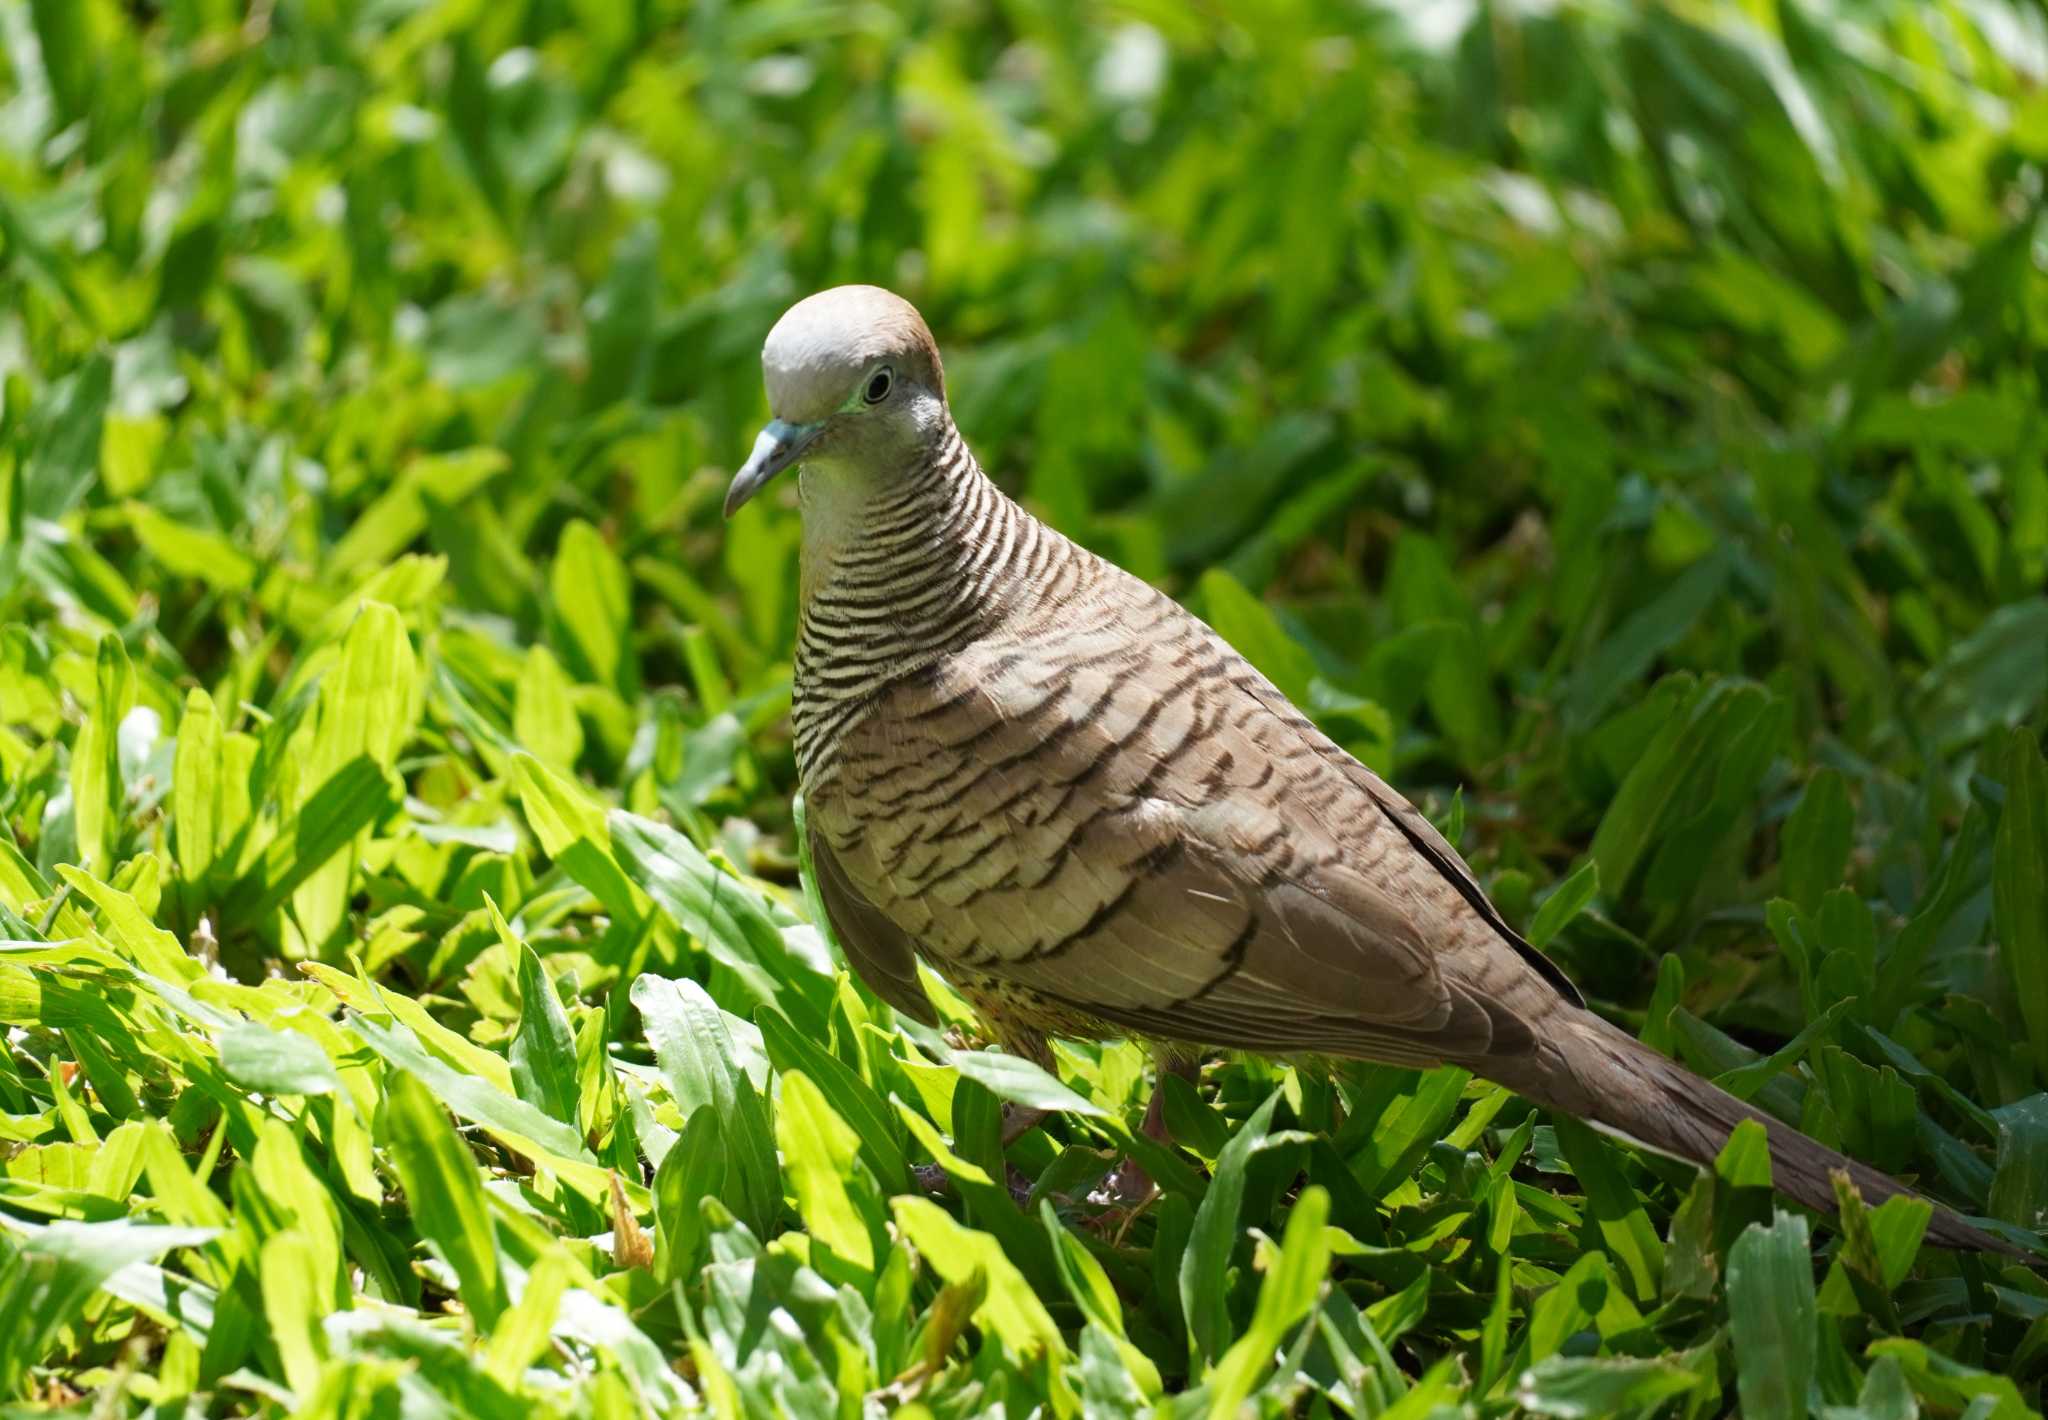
<point x="1595" y="1071"/>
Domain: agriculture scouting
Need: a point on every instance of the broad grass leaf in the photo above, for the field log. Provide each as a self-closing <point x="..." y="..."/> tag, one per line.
<point x="1814" y="848"/>
<point x="2019" y="887"/>
<point x="1712" y="810"/>
<point x="400" y="513"/>
<point x="192" y="552"/>
<point x="48" y="1273"/>
<point x="1747" y="1081"/>
<point x="852" y="1098"/>
<point x="1897" y="1226"/>
<point x="368" y="703"/>
<point x="1955" y="1385"/>
<point x="1772" y="1316"/>
<point x="1493" y="1333"/>
<point x="1955" y="885"/>
<point x="274" y="1062"/>
<point x="1287" y="1295"/>
<point x="1614" y="1209"/>
<point x="622" y="310"/>
<point x="445" y="1194"/>
<point x="1745" y="1160"/>
<point x="131" y="449"/>
<point x="723" y="913"/>
<point x="592" y="599"/>
<point x="1594" y="1387"/>
<point x="1682" y="779"/>
<point x="1009" y="1308"/>
<point x="572" y="831"/>
<point x="695" y="1050"/>
<point x="2019" y="1190"/>
<point x="1588" y="1294"/>
<point x="1013" y="1078"/>
<point x="148" y="946"/>
<point x="1191" y="1121"/>
<point x="1885" y="1394"/>
<point x="990" y="1205"/>
<point x="1879" y="1110"/>
<point x="818" y="1153"/>
<point x="1458" y="683"/>
<point x="1993" y="677"/>
<point x="776" y="1368"/>
<point x="509" y="1119"/>
<point x="1624" y="656"/>
<point x="117" y="1168"/>
<point x="1393" y="1317"/>
<point x="351" y="801"/>
<point x="190" y="1306"/>
<point x="293" y="1305"/>
<point x="544" y="719"/>
<point x="1082" y="1275"/>
<point x="692" y="1170"/>
<point x="300" y="1201"/>
<point x="1110" y="1382"/>
<point x="1205" y="1266"/>
<point x="20" y="884"/>
<point x="526" y="1332"/>
<point x="196" y="793"/>
<point x="98" y="795"/>
<point x="65" y="458"/>
<point x="1202" y="517"/>
<point x="1566" y="901"/>
<point x="1404" y="1134"/>
<point x="458" y="1051"/>
<point x="543" y="1051"/>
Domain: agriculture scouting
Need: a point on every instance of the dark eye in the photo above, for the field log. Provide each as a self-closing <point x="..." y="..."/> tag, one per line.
<point x="878" y="386"/>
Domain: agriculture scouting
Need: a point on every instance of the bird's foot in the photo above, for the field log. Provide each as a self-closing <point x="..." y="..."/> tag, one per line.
<point x="1123" y="1198"/>
<point x="1129" y="1184"/>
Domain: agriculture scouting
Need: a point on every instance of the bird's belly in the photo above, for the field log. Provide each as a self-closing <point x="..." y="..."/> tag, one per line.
<point x="1021" y="1017"/>
<point x="959" y="911"/>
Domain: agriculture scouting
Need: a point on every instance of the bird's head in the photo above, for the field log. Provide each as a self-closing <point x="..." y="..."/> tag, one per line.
<point x="853" y="381"/>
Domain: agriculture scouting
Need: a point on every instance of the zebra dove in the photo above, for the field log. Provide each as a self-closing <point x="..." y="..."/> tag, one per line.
<point x="1093" y="818"/>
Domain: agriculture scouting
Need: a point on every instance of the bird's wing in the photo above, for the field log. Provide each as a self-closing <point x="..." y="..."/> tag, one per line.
<point x="1423" y="836"/>
<point x="1115" y="818"/>
<point x="876" y="948"/>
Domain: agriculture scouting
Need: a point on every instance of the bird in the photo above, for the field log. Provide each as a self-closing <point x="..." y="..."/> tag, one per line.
<point x="1093" y="818"/>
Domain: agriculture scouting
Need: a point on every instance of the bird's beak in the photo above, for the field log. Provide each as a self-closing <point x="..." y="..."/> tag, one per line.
<point x="780" y="445"/>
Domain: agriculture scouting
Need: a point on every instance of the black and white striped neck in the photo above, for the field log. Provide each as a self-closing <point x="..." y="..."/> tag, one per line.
<point x="896" y="575"/>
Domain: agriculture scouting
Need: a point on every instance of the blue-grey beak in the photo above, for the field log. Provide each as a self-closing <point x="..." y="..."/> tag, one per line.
<point x="780" y="445"/>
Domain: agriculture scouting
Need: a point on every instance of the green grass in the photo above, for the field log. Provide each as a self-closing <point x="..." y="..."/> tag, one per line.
<point x="1621" y="427"/>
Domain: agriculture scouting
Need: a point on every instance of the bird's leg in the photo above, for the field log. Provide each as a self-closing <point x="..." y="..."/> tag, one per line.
<point x="1130" y="1183"/>
<point x="1019" y="1120"/>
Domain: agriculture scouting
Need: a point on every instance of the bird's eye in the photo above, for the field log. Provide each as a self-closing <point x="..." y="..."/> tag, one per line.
<point x="878" y="386"/>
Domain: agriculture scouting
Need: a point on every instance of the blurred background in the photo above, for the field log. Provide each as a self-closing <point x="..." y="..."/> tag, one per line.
<point x="1620" y="424"/>
<point x="1470" y="366"/>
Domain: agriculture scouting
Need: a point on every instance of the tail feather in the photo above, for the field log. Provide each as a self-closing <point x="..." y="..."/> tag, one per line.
<point x="1593" y="1070"/>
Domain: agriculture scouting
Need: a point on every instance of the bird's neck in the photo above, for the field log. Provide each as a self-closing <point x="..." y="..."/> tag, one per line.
<point x="927" y="518"/>
<point x="897" y="570"/>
